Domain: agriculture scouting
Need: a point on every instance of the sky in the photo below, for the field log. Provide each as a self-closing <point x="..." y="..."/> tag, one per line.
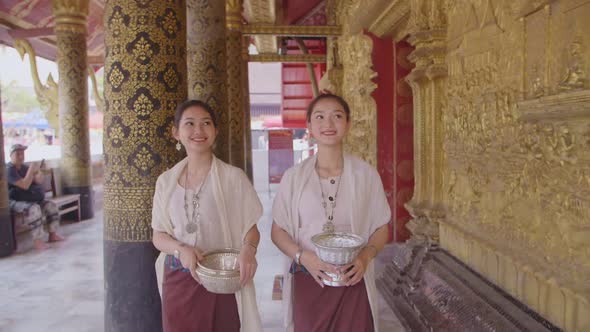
<point x="13" y="68"/>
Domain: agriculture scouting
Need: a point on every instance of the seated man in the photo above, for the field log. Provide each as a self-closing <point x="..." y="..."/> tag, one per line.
<point x="26" y="196"/>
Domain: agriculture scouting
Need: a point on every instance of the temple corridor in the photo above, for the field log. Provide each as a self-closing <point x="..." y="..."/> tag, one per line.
<point x="64" y="285"/>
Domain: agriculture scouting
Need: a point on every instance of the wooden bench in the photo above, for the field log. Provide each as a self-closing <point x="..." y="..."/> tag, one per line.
<point x="65" y="203"/>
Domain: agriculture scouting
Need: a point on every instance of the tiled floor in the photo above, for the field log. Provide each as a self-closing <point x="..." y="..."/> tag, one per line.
<point x="61" y="289"/>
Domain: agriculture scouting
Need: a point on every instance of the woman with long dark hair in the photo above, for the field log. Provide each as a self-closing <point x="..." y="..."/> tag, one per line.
<point x="204" y="204"/>
<point x="331" y="191"/>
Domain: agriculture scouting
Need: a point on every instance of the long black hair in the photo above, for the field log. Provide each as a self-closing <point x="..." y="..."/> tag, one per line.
<point x="338" y="99"/>
<point x="193" y="103"/>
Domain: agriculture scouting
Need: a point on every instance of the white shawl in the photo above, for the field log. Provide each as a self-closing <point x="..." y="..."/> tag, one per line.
<point x="239" y="210"/>
<point x="369" y="207"/>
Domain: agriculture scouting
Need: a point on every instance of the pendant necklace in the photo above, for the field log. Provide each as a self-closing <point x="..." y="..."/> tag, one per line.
<point x="193" y="223"/>
<point x="328" y="226"/>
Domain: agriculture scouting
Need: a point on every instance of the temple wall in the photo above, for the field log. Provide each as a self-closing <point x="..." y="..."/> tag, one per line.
<point x="515" y="115"/>
<point x="517" y="144"/>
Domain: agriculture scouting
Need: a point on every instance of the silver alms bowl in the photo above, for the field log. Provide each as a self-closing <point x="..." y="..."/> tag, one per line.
<point x="337" y="248"/>
<point x="219" y="272"/>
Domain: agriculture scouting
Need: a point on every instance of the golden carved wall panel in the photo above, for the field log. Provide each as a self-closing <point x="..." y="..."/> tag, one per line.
<point x="516" y="137"/>
<point x="350" y="56"/>
<point x="355" y="51"/>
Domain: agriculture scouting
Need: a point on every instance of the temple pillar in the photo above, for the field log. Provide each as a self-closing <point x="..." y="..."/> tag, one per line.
<point x="428" y="82"/>
<point x="246" y="106"/>
<point x="236" y="108"/>
<point x="207" y="63"/>
<point x="70" y="30"/>
<point x="403" y="136"/>
<point x="145" y="80"/>
<point x="7" y="240"/>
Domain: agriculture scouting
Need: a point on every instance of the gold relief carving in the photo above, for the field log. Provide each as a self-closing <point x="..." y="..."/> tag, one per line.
<point x="292" y="30"/>
<point x="355" y="52"/>
<point x="517" y="162"/>
<point x="575" y="77"/>
<point x="145" y="80"/>
<point x="575" y="104"/>
<point x="46" y="93"/>
<point x="207" y="63"/>
<point x="537" y="28"/>
<point x="393" y="19"/>
<point x="537" y="85"/>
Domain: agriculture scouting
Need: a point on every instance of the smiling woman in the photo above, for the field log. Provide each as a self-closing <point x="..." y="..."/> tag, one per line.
<point x="194" y="203"/>
<point x="329" y="192"/>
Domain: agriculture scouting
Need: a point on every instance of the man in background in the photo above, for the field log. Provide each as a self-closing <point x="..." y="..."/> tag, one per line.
<point x="27" y="197"/>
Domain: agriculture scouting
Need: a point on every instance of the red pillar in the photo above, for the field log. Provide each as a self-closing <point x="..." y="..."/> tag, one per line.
<point x="393" y="97"/>
<point x="382" y="57"/>
<point x="403" y="158"/>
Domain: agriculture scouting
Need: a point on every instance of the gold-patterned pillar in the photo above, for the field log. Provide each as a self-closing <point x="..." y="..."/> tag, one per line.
<point x="7" y="240"/>
<point x="207" y="62"/>
<point x="428" y="82"/>
<point x="236" y="109"/>
<point x="70" y="29"/>
<point x="145" y="80"/>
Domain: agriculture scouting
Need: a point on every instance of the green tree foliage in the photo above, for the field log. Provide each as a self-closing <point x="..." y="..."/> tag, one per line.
<point x="18" y="99"/>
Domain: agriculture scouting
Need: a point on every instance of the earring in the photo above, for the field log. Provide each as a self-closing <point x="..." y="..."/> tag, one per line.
<point x="178" y="146"/>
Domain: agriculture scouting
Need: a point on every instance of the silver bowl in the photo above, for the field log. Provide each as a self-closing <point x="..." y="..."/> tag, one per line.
<point x="337" y="248"/>
<point x="337" y="280"/>
<point x="219" y="272"/>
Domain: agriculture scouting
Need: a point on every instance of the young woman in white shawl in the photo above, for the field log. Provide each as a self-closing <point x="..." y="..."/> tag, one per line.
<point x="204" y="204"/>
<point x="346" y="192"/>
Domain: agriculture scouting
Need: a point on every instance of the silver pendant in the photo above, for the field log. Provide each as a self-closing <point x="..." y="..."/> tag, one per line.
<point x="191" y="227"/>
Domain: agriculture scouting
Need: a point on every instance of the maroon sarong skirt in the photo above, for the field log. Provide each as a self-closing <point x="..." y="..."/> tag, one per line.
<point x="330" y="308"/>
<point x="188" y="306"/>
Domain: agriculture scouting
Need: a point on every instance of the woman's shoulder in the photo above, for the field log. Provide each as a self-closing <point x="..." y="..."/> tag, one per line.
<point x="229" y="171"/>
<point x="297" y="169"/>
<point x="169" y="174"/>
<point x="361" y="166"/>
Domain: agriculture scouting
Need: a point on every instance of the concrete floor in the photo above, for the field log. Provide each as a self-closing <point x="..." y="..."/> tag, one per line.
<point x="61" y="289"/>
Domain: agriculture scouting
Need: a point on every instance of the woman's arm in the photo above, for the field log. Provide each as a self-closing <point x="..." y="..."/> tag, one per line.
<point x="189" y="256"/>
<point x="312" y="263"/>
<point x="359" y="266"/>
<point x="247" y="258"/>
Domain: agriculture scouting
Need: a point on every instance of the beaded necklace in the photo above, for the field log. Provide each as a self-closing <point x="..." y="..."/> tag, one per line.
<point x="328" y="226"/>
<point x="193" y="223"/>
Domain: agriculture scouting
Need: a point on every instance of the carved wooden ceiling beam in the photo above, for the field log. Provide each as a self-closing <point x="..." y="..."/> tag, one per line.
<point x="31" y="33"/>
<point x="292" y="58"/>
<point x="292" y="30"/>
